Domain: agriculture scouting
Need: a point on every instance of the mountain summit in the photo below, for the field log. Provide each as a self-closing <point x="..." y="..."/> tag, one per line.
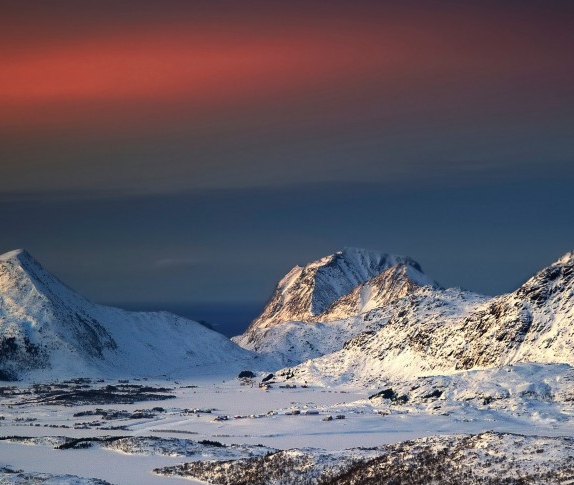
<point x="47" y="328"/>
<point x="307" y="292"/>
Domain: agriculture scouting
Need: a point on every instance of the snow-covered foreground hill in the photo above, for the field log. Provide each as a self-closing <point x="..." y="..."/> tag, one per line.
<point x="49" y="331"/>
<point x="493" y="458"/>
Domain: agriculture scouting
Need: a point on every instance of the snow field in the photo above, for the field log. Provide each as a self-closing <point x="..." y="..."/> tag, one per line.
<point x="276" y="419"/>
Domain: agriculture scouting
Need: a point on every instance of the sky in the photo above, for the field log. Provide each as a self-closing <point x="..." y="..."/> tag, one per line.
<point x="191" y="153"/>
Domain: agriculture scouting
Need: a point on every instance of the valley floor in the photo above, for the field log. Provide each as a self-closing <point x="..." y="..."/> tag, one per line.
<point x="92" y="432"/>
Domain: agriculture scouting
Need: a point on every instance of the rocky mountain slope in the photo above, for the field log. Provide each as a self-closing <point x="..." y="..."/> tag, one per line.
<point x="433" y="331"/>
<point x="47" y="328"/>
<point x="308" y="293"/>
<point x="385" y="288"/>
<point x="315" y="309"/>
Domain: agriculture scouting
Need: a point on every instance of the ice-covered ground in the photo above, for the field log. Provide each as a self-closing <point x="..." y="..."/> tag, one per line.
<point x="533" y="400"/>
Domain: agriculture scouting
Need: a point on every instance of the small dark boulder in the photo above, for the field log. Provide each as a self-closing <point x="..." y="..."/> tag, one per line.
<point x="246" y="374"/>
<point x="385" y="394"/>
<point x="400" y="399"/>
<point x="435" y="394"/>
<point x="392" y="395"/>
<point x="268" y="377"/>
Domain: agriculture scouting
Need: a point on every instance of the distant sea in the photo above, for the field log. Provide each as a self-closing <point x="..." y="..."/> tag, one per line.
<point x="228" y="318"/>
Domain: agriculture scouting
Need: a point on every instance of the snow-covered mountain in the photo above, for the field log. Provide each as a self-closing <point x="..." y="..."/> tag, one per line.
<point x="444" y="331"/>
<point x="307" y="293"/>
<point x="315" y="309"/>
<point x="352" y="316"/>
<point x="47" y="328"/>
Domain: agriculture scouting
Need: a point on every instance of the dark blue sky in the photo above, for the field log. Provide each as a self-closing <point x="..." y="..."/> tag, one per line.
<point x="233" y="245"/>
<point x="195" y="153"/>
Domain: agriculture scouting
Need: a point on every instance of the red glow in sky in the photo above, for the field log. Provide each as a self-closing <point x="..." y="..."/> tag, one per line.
<point x="210" y="65"/>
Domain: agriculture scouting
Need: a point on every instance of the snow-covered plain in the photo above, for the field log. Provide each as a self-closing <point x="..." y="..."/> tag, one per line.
<point x="532" y="400"/>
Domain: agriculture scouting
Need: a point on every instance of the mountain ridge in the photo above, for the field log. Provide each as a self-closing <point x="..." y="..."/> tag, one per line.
<point x="396" y="321"/>
<point x="416" y="336"/>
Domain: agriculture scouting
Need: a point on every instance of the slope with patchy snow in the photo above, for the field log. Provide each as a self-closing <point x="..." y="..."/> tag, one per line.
<point x="493" y="458"/>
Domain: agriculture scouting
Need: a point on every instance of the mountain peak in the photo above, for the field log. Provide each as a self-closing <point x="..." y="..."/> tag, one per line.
<point x="16" y="254"/>
<point x="348" y="283"/>
<point x="307" y="291"/>
<point x="369" y="256"/>
<point x="343" y="271"/>
<point x="568" y="258"/>
<point x="550" y="282"/>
